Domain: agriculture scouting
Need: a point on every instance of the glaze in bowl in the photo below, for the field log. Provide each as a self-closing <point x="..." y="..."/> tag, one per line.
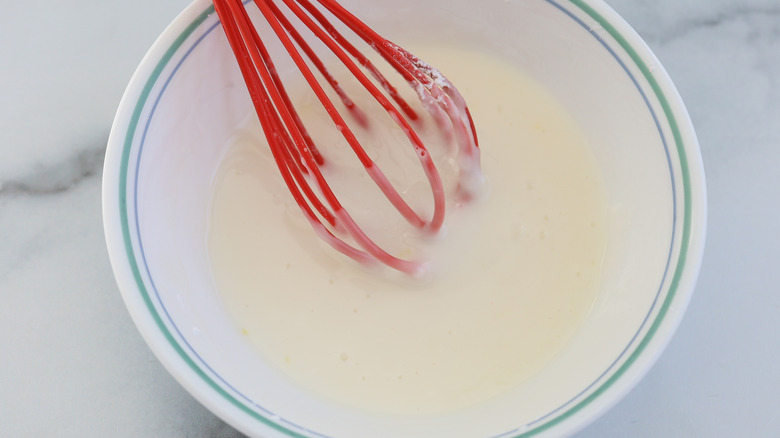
<point x="187" y="96"/>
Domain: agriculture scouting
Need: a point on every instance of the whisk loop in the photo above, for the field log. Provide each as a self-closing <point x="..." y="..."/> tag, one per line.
<point x="293" y="149"/>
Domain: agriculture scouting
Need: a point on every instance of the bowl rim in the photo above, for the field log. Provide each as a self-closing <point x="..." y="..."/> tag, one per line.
<point x="566" y="419"/>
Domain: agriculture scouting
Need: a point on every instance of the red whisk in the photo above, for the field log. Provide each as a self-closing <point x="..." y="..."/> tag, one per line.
<point x="294" y="152"/>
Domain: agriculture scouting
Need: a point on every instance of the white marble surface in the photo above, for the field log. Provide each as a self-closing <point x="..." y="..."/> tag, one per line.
<point x="73" y="365"/>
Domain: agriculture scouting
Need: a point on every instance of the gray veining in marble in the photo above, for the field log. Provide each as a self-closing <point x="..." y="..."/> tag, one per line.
<point x="73" y="365"/>
<point x="58" y="177"/>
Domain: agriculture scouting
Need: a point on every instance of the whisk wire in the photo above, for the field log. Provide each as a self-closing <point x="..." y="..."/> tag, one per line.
<point x="286" y="155"/>
<point x="293" y="149"/>
<point x="357" y="114"/>
<point x="375" y="172"/>
<point x="355" y="53"/>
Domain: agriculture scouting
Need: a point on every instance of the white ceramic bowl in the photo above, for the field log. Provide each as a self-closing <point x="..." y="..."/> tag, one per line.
<point x="185" y="98"/>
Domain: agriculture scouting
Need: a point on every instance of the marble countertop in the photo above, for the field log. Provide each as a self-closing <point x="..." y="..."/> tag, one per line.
<point x="73" y="365"/>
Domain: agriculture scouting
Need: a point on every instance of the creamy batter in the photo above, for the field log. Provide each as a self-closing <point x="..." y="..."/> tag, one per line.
<point x="513" y="275"/>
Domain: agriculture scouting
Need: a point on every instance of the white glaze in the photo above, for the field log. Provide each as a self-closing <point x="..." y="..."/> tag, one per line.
<point x="513" y="276"/>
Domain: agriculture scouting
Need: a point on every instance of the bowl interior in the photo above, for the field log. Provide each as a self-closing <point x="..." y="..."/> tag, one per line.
<point x="186" y="99"/>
